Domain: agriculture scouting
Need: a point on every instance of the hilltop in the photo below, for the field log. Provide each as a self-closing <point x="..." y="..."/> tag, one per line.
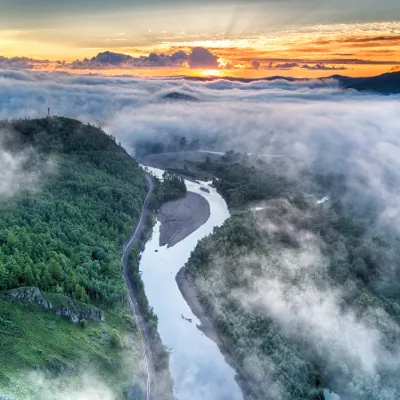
<point x="385" y="84"/>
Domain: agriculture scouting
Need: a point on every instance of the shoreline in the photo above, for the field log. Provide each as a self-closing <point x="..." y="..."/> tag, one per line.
<point x="179" y="219"/>
<point x="187" y="288"/>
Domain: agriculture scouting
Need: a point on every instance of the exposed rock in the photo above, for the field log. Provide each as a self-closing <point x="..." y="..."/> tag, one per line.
<point x="60" y="304"/>
<point x="30" y="295"/>
<point x="58" y="367"/>
<point x="203" y="189"/>
<point x="76" y="311"/>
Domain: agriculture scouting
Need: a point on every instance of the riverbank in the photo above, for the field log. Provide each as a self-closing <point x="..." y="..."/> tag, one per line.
<point x="198" y="368"/>
<point x="182" y="217"/>
<point x="187" y="288"/>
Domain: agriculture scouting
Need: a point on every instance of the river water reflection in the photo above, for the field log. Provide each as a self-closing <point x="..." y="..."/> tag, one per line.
<point x="198" y="368"/>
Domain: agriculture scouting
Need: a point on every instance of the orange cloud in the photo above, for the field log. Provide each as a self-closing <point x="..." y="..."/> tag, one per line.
<point x="363" y="49"/>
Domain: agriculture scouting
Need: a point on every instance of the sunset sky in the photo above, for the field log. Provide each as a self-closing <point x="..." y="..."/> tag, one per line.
<point x="253" y="39"/>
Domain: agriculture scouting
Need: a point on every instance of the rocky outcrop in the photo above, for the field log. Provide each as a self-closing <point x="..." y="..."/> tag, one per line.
<point x="60" y="304"/>
<point x="76" y="311"/>
<point x="29" y="295"/>
<point x="57" y="367"/>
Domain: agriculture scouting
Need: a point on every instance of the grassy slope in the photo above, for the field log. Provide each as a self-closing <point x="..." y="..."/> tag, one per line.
<point x="31" y="338"/>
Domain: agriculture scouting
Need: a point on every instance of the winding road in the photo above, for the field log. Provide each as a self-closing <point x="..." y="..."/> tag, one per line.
<point x="145" y="341"/>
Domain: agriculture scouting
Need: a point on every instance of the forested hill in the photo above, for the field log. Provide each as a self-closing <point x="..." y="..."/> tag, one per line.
<point x="74" y="197"/>
<point x="67" y="235"/>
<point x="298" y="290"/>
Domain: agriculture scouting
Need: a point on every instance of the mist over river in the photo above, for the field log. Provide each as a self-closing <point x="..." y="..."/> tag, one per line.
<point x="198" y="368"/>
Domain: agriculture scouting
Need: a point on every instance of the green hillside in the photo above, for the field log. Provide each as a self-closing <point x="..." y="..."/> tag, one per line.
<point x="260" y="273"/>
<point x="64" y="236"/>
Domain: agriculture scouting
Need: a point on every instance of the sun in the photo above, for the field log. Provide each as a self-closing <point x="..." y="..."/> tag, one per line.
<point x="211" y="72"/>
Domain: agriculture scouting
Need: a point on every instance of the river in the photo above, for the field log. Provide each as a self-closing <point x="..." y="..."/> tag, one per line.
<point x="198" y="368"/>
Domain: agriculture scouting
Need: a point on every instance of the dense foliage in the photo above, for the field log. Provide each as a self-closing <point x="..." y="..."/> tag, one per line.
<point x="63" y="232"/>
<point x="240" y="184"/>
<point x="68" y="235"/>
<point x="308" y="252"/>
<point x="172" y="187"/>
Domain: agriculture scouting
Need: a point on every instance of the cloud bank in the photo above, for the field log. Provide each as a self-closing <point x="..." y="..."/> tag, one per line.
<point x="196" y="58"/>
<point x="312" y="122"/>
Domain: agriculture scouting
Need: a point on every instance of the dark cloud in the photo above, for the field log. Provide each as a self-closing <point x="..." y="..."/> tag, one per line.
<point x="202" y="58"/>
<point x="323" y="67"/>
<point x="289" y="65"/>
<point x="292" y="65"/>
<point x="179" y="56"/>
<point x="21" y="62"/>
<point x="110" y="59"/>
<point x="355" y="61"/>
<point x="199" y="57"/>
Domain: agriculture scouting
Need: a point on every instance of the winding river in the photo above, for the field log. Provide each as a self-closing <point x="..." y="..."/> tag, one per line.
<point x="198" y="368"/>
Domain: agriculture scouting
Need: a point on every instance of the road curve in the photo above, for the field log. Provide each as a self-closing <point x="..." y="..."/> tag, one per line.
<point x="145" y="341"/>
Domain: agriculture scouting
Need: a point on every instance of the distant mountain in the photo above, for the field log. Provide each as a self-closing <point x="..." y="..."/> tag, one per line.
<point x="388" y="83"/>
<point x="179" y="96"/>
<point x="385" y="84"/>
<point x="244" y="80"/>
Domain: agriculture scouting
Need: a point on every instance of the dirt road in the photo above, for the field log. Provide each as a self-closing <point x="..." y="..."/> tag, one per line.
<point x="146" y="346"/>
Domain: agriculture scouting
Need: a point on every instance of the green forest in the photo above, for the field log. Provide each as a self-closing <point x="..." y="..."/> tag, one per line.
<point x="65" y="236"/>
<point x="302" y="251"/>
<point x="68" y="236"/>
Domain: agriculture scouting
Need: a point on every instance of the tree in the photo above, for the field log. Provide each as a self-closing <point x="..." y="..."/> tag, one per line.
<point x="80" y="292"/>
<point x="55" y="270"/>
<point x="28" y="277"/>
<point x="115" y="339"/>
<point x="182" y="143"/>
<point x="3" y="276"/>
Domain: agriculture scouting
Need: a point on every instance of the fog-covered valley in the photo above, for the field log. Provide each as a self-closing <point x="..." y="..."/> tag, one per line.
<point x="306" y="294"/>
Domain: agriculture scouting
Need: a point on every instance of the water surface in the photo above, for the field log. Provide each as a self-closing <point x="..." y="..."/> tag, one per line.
<point x="198" y="368"/>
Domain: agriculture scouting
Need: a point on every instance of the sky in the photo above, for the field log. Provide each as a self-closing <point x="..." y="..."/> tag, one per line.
<point x="252" y="39"/>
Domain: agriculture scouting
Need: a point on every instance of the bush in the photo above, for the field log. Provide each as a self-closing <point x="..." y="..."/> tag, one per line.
<point x="115" y="339"/>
